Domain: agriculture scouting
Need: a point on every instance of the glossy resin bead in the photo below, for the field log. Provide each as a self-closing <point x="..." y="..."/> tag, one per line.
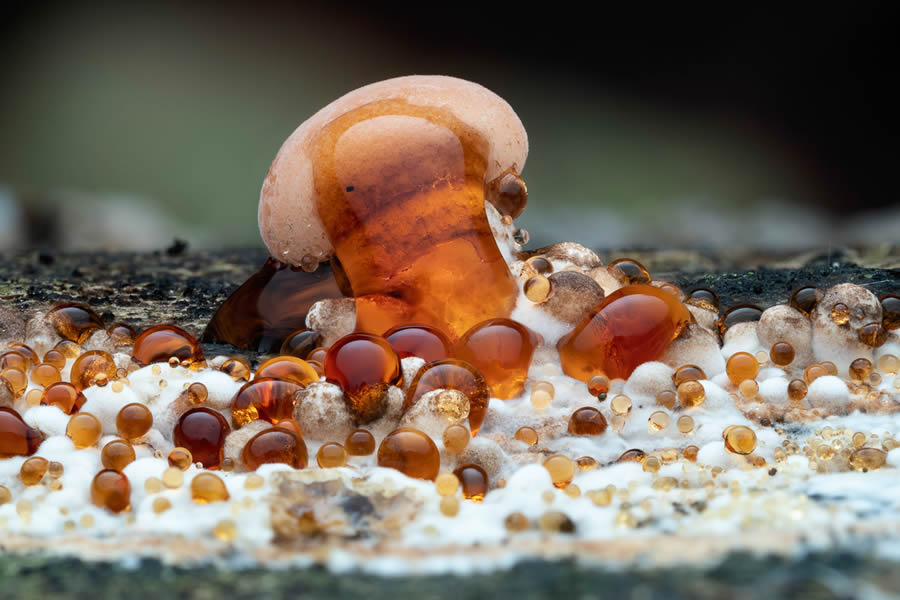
<point x="75" y="322"/>
<point x="161" y="343"/>
<point x="202" y="431"/>
<point x="501" y="349"/>
<point x="365" y="366"/>
<point x="289" y="368"/>
<point x="452" y="375"/>
<point x="276" y="445"/>
<point x="427" y="342"/>
<point x="64" y="396"/>
<point x="411" y="452"/>
<point x="268" y="399"/>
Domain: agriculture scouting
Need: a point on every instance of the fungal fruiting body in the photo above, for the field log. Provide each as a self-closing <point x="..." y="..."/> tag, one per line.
<point x="435" y="386"/>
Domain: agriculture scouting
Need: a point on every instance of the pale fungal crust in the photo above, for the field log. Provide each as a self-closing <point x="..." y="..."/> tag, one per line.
<point x="288" y="215"/>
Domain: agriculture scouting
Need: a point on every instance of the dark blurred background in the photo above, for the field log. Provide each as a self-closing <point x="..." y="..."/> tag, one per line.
<point x="713" y="126"/>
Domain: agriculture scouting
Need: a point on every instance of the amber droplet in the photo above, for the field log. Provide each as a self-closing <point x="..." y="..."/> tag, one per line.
<point x="12" y="359"/>
<point x="69" y="348"/>
<point x="89" y="366"/>
<point x="55" y="357"/>
<point x="443" y="269"/>
<point x="26" y="351"/>
<point x="331" y="455"/>
<point x="740" y="439"/>
<point x="181" y="458"/>
<point x="290" y="425"/>
<point x="632" y="455"/>
<point x="364" y="365"/>
<point x="620" y="405"/>
<point x="685" y="424"/>
<point x="539" y="265"/>
<point x="748" y="389"/>
<point x="32" y="470"/>
<point x="75" y="322"/>
<point x="117" y="455"/>
<point x="690" y="453"/>
<point x="134" y="421"/>
<point x="890" y="311"/>
<point x="208" y="487"/>
<point x="542" y="394"/>
<point x="888" y="364"/>
<point x="741" y="366"/>
<point x="629" y="271"/>
<point x="84" y="429"/>
<point x="452" y="375"/>
<point x="45" y="375"/>
<point x="111" y="490"/>
<point x="703" y="298"/>
<point x="456" y="438"/>
<point x="691" y="394"/>
<point x="64" y="396"/>
<point x="796" y="390"/>
<point x="411" y="452"/>
<point x="237" y="368"/>
<point x="631" y="326"/>
<point x="658" y="421"/>
<point x="860" y="369"/>
<point x="446" y="484"/>
<point x="806" y="298"/>
<point x="781" y="354"/>
<point x="813" y="372"/>
<point x="474" y="481"/>
<point x="202" y="431"/>
<point x="587" y="421"/>
<point x="868" y="459"/>
<point x="268" y="399"/>
<point x="121" y="334"/>
<point x="501" y="349"/>
<point x="317" y="355"/>
<point x="508" y="193"/>
<point x="15" y="380"/>
<point x="840" y="313"/>
<point x="360" y="443"/>
<point x="161" y="343"/>
<point x="873" y="334"/>
<point x="301" y="343"/>
<point x="742" y="313"/>
<point x="427" y="342"/>
<point x="687" y="373"/>
<point x="561" y="469"/>
<point x="275" y="445"/>
<point x="537" y="289"/>
<point x="270" y="306"/>
<point x="288" y="368"/>
<point x="598" y="385"/>
<point x="528" y="435"/>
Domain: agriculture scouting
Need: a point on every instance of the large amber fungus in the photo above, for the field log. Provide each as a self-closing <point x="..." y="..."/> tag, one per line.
<point x="631" y="326"/>
<point x="376" y="165"/>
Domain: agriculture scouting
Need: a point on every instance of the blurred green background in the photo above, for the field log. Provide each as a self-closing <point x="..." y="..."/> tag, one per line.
<point x="126" y="126"/>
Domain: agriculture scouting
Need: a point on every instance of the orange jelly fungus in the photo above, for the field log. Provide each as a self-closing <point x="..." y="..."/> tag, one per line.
<point x="427" y="342"/>
<point x="268" y="399"/>
<point x="631" y="326"/>
<point x="452" y="375"/>
<point x="75" y="322"/>
<point x="275" y="445"/>
<point x="92" y="367"/>
<point x="202" y="431"/>
<point x="445" y="268"/>
<point x="111" y="490"/>
<point x="64" y="396"/>
<point x="270" y="306"/>
<point x="16" y="437"/>
<point x="365" y="366"/>
<point x="288" y="368"/>
<point x="411" y="452"/>
<point x="501" y="349"/>
<point x="160" y="343"/>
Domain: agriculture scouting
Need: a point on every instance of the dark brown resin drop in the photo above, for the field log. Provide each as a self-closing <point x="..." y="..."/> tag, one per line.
<point x="805" y="298"/>
<point x="159" y="344"/>
<point x="202" y="431"/>
<point x="16" y="437"/>
<point x="276" y="445"/>
<point x="742" y="313"/>
<point x="301" y="343"/>
<point x="64" y="396"/>
<point x="271" y="305"/>
<point x="473" y="480"/>
<point x="75" y="322"/>
<point x="427" y="342"/>
<point x="268" y="399"/>
<point x="501" y="349"/>
<point x="365" y="366"/>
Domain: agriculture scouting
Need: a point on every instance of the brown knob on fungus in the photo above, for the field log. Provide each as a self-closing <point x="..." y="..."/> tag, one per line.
<point x="391" y="178"/>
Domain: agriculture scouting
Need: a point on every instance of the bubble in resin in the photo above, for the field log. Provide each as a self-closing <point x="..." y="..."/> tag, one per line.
<point x="501" y="349"/>
<point x="633" y="325"/>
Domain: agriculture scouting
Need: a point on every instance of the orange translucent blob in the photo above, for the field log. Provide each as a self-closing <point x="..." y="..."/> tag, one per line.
<point x="290" y="425"/>
<point x="288" y="368"/>
<point x="134" y="421"/>
<point x="33" y="470"/>
<point x="687" y="373"/>
<point x="629" y="271"/>
<point x="15" y="380"/>
<point x="587" y="421"/>
<point x="207" y="488"/>
<point x="781" y="354"/>
<point x="501" y="349"/>
<point x="473" y="480"/>
<point x="427" y="342"/>
<point x="275" y="445"/>
<point x="813" y="372"/>
<point x="111" y="490"/>
<point x="26" y="351"/>
<point x="360" y="443"/>
<point x="742" y="313"/>
<point x="268" y="399"/>
<point x="631" y="326"/>
<point x="91" y="365"/>
<point x="890" y="311"/>
<point x="121" y="334"/>
<point x="84" y="429"/>
<point x="12" y="359"/>
<point x="527" y="435"/>
<point x="317" y="355"/>
<point x="703" y="298"/>
<point x="55" y="357"/>
<point x="161" y="343"/>
<point x="117" y="455"/>
<point x="270" y="306"/>
<point x="69" y="348"/>
<point x="365" y="366"/>
<point x="797" y="389"/>
<point x="331" y="455"/>
<point x="508" y="193"/>
<point x="237" y="368"/>
<point x="75" y="322"/>
<point x="452" y="375"/>
<point x="301" y="343"/>
<point x="806" y="298"/>
<point x="741" y="366"/>
<point x="411" y="452"/>
<point x="202" y="431"/>
<point x="64" y="396"/>
<point x="873" y="334"/>
<point x="443" y="267"/>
